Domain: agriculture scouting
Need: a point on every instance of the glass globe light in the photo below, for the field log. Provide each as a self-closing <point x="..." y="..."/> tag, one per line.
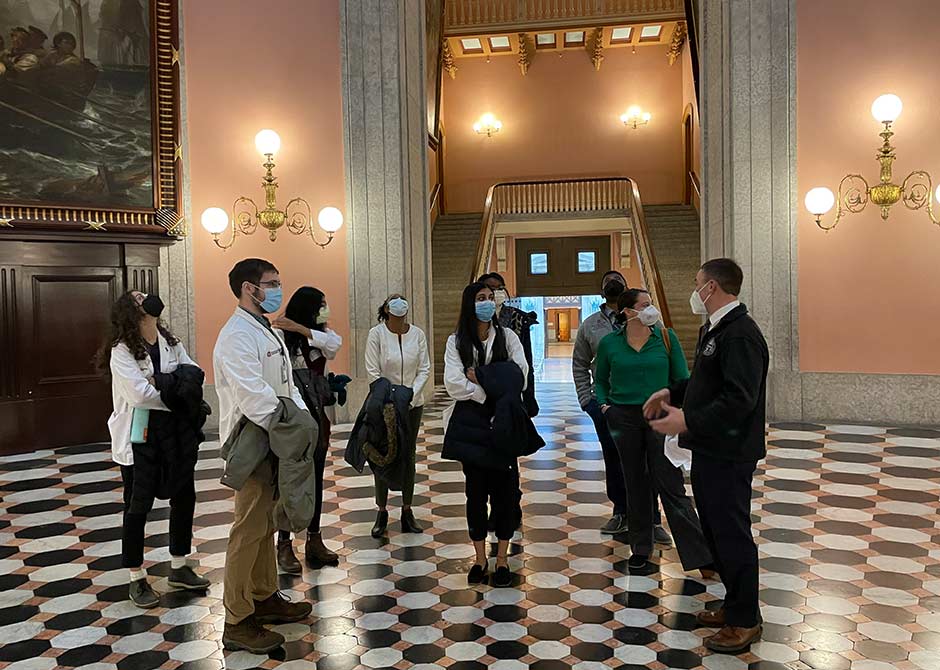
<point x="330" y="219"/>
<point x="886" y="108"/>
<point x="215" y="220"/>
<point x="267" y="142"/>
<point x="938" y="193"/>
<point x="819" y="200"/>
<point x="646" y="117"/>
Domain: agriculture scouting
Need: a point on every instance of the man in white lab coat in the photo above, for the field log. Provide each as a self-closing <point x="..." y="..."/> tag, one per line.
<point x="252" y="370"/>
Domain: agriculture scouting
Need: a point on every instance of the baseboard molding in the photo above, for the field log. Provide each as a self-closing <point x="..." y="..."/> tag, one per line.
<point x="886" y="400"/>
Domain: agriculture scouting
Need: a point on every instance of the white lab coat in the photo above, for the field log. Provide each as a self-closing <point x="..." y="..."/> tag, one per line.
<point x="403" y="362"/>
<point x="456" y="383"/>
<point x="130" y="389"/>
<point x="252" y="371"/>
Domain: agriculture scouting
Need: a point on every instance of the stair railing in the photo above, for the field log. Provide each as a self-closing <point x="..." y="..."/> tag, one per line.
<point x="609" y="195"/>
<point x="468" y="16"/>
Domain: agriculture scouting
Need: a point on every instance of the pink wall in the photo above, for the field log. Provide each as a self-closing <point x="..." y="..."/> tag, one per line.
<point x="562" y="120"/>
<point x="868" y="290"/>
<point x="688" y="98"/>
<point x="286" y="76"/>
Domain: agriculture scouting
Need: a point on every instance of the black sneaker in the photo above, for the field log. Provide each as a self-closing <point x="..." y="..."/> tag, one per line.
<point x="477" y="574"/>
<point x="186" y="578"/>
<point x="502" y="578"/>
<point x="142" y="595"/>
<point x="637" y="561"/>
<point x="617" y="524"/>
<point x="661" y="536"/>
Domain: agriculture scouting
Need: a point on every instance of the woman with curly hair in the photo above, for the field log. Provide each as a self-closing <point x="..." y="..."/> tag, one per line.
<point x="140" y="347"/>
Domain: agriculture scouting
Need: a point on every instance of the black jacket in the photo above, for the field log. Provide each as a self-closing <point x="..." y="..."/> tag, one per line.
<point x="493" y="435"/>
<point x="521" y="324"/>
<point x="382" y="425"/>
<point x="167" y="460"/>
<point x="724" y="400"/>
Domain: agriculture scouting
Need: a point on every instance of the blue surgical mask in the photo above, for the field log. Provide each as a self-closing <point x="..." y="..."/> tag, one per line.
<point x="273" y="297"/>
<point x="398" y="307"/>
<point x="485" y="310"/>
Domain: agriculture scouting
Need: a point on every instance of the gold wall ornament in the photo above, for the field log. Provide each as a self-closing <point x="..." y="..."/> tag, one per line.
<point x="447" y="60"/>
<point x="487" y="125"/>
<point x="854" y="194"/>
<point x="5" y="223"/>
<point x="635" y="117"/>
<point x="596" y="48"/>
<point x="95" y="225"/>
<point x="246" y="217"/>
<point x="526" y="53"/>
<point x="679" y="35"/>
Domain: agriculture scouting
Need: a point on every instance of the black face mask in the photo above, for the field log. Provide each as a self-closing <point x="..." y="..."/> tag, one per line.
<point x="614" y="289"/>
<point x="152" y="305"/>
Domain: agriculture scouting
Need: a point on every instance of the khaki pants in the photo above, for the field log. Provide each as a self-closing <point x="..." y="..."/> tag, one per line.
<point x="250" y="560"/>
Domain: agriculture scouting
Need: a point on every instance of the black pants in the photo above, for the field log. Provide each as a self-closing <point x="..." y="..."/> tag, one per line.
<point x="500" y="488"/>
<point x="723" y="496"/>
<point x="616" y="490"/>
<point x="182" y="507"/>
<point x="319" y="468"/>
<point x="409" y="453"/>
<point x="647" y="470"/>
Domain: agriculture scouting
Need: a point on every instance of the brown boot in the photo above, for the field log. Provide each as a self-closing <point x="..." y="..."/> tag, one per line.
<point x="286" y="560"/>
<point x="278" y="608"/>
<point x="732" y="639"/>
<point x="248" y="635"/>
<point x="711" y="618"/>
<point x="317" y="553"/>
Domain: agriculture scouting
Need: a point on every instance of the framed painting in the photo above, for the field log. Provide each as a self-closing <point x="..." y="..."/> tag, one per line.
<point x="434" y="19"/>
<point x="89" y="116"/>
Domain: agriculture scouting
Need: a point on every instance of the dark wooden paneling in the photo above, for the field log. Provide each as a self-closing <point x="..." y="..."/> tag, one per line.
<point x="9" y="369"/>
<point x="563" y="277"/>
<point x="55" y="301"/>
<point x="43" y="254"/>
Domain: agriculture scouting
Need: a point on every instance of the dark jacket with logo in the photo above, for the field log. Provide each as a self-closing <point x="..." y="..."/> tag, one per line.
<point x="724" y="399"/>
<point x="493" y="435"/>
<point x="521" y="324"/>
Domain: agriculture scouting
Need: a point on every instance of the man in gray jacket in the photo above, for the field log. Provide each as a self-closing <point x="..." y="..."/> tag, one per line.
<point x="593" y="329"/>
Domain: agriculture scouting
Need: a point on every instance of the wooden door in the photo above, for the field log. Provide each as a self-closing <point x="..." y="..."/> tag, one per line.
<point x="564" y="326"/>
<point x="561" y="265"/>
<point x="55" y="301"/>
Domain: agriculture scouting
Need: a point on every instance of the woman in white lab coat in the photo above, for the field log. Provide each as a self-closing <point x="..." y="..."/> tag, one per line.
<point x="139" y="346"/>
<point x="311" y="343"/>
<point x="398" y="351"/>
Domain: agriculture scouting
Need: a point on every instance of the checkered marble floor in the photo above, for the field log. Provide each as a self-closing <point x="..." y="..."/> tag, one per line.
<point x="846" y="516"/>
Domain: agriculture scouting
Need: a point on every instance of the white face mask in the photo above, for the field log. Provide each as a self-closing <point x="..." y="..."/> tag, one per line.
<point x="649" y="315"/>
<point x="324" y="315"/>
<point x="697" y="304"/>
<point x="500" y="296"/>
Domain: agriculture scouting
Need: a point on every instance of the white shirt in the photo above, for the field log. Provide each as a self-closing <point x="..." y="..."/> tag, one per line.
<point x="401" y="359"/>
<point x="252" y="371"/>
<point x="130" y="388"/>
<point x="722" y="313"/>
<point x="456" y="383"/>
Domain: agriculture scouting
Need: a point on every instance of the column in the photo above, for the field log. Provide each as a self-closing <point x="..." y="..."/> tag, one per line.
<point x="385" y="133"/>
<point x="748" y="111"/>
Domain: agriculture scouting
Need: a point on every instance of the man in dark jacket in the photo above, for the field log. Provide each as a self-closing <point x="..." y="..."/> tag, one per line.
<point x="722" y="421"/>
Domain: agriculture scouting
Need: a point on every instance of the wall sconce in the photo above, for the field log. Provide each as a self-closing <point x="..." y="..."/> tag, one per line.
<point x="488" y="125"/>
<point x="855" y="193"/>
<point x="635" y="117"/>
<point x="246" y="217"/>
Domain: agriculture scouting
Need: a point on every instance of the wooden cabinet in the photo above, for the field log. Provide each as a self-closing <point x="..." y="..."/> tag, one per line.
<point x="55" y="301"/>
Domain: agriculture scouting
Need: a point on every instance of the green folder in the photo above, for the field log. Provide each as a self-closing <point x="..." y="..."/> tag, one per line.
<point x="139" y="421"/>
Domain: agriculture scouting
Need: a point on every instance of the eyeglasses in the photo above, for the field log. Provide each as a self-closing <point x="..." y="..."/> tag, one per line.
<point x="274" y="283"/>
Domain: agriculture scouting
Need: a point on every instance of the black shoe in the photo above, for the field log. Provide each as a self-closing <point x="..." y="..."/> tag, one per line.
<point x="616" y="525"/>
<point x="477" y="574"/>
<point x="408" y="522"/>
<point x="381" y="524"/>
<point x="637" y="561"/>
<point x="142" y="595"/>
<point x="661" y="536"/>
<point x="186" y="578"/>
<point x="502" y="578"/>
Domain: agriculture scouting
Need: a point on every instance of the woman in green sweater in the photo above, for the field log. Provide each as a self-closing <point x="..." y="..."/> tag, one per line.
<point x="632" y="364"/>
